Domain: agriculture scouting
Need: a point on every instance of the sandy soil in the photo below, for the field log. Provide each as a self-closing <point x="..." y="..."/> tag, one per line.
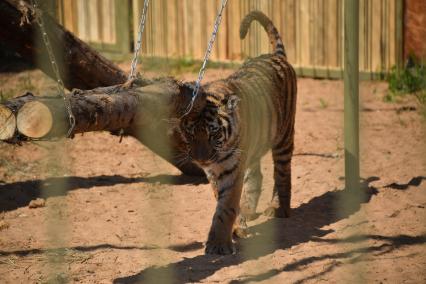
<point x="118" y="213"/>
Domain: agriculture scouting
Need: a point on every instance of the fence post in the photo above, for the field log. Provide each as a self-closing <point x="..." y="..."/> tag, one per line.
<point x="351" y="80"/>
<point x="399" y="26"/>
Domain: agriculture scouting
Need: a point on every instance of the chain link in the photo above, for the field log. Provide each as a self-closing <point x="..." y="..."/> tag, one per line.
<point x="206" y="57"/>
<point x="138" y="44"/>
<point x="59" y="82"/>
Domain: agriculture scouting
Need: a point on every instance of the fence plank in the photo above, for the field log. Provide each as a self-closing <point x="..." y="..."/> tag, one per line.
<point x="222" y="36"/>
<point x="376" y="34"/>
<point x="331" y="44"/>
<point x="362" y="33"/>
<point x="82" y="20"/>
<point x="264" y="47"/>
<point x="233" y="27"/>
<point x="288" y="28"/>
<point x="305" y="33"/>
<point x="392" y="28"/>
<point x="69" y="18"/>
<point x="195" y="39"/>
<point x="92" y="19"/>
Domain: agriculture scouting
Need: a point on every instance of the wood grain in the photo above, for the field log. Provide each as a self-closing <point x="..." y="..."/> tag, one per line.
<point x="312" y="30"/>
<point x="7" y="123"/>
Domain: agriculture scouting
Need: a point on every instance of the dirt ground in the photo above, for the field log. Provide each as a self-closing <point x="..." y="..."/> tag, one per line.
<point x="117" y="213"/>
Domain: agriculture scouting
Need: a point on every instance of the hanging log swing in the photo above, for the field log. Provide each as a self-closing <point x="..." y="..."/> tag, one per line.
<point x="133" y="105"/>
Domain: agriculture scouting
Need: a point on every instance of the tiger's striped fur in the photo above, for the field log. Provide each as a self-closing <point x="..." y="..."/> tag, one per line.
<point x="243" y="117"/>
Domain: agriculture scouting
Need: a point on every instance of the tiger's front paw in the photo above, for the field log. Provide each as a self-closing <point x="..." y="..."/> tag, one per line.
<point x="279" y="212"/>
<point x="222" y="248"/>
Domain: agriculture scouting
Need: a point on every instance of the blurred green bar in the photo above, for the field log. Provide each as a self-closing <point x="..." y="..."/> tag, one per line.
<point x="351" y="79"/>
<point x="399" y="26"/>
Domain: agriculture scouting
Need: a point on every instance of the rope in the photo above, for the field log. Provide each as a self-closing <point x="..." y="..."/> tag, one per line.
<point x="138" y="44"/>
<point x="59" y="82"/>
<point x="206" y="57"/>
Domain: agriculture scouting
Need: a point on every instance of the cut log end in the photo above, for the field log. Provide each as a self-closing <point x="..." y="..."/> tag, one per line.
<point x="34" y="120"/>
<point x="7" y="123"/>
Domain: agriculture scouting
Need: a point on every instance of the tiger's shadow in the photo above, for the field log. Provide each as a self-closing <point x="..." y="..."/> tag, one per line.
<point x="304" y="225"/>
<point x="19" y="194"/>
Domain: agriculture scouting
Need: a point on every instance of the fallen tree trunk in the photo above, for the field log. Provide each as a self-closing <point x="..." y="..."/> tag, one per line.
<point x="140" y="111"/>
<point x="80" y="67"/>
<point x="7" y="123"/>
<point x="46" y="117"/>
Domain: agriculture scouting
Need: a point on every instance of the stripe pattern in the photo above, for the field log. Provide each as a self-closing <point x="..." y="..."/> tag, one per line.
<point x="245" y="115"/>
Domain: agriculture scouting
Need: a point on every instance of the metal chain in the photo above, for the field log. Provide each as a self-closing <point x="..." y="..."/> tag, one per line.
<point x="138" y="44"/>
<point x="206" y="57"/>
<point x="60" y="83"/>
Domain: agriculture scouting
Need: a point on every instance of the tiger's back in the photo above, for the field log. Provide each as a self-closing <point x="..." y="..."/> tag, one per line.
<point x="267" y="87"/>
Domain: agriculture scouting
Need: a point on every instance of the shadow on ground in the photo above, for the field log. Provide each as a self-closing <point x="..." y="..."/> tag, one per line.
<point x="177" y="248"/>
<point x="19" y="194"/>
<point x="305" y="225"/>
<point x="275" y="234"/>
<point x="356" y="255"/>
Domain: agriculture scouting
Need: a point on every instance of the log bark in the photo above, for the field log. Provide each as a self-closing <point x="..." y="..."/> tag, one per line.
<point x="147" y="113"/>
<point x="83" y="68"/>
<point x="7" y="123"/>
<point x="8" y="112"/>
<point x="79" y="64"/>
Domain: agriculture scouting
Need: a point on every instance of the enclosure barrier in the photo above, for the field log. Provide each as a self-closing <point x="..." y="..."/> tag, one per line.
<point x="351" y="104"/>
<point x="312" y="31"/>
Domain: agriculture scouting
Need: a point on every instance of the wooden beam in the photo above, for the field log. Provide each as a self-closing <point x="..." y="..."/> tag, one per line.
<point x="144" y="112"/>
<point x="351" y="102"/>
<point x="83" y="68"/>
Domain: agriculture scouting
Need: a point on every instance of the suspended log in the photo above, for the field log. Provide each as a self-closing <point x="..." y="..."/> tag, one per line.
<point x="80" y="67"/>
<point x="7" y="123"/>
<point x="95" y="110"/>
<point x="34" y="120"/>
<point x="8" y="112"/>
<point x="144" y="112"/>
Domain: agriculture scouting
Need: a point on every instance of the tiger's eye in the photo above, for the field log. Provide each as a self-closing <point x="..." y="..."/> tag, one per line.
<point x="213" y="128"/>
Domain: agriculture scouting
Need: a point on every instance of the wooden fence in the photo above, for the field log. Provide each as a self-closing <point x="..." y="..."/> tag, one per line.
<point x="312" y="30"/>
<point x="105" y="24"/>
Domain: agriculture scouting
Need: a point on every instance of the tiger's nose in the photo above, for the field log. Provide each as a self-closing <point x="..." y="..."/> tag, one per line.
<point x="201" y="152"/>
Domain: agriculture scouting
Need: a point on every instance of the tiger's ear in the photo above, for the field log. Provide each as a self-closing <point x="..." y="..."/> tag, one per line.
<point x="232" y="103"/>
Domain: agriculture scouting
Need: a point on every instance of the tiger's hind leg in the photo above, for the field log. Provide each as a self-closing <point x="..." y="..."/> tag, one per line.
<point x="250" y="197"/>
<point x="281" y="197"/>
<point x="251" y="192"/>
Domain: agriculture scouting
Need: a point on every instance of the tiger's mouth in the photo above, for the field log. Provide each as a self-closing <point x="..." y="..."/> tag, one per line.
<point x="203" y="163"/>
<point x="206" y="161"/>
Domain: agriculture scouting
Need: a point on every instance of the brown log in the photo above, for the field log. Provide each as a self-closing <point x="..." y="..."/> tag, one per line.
<point x="80" y="67"/>
<point x="144" y="112"/>
<point x="34" y="120"/>
<point x="8" y="112"/>
<point x="7" y="123"/>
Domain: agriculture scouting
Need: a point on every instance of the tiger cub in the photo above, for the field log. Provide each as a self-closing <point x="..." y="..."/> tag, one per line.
<point x="243" y="116"/>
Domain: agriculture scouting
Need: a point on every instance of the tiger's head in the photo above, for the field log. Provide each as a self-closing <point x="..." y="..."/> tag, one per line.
<point x="213" y="131"/>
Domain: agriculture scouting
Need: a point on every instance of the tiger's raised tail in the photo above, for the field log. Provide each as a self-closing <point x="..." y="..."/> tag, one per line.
<point x="271" y="30"/>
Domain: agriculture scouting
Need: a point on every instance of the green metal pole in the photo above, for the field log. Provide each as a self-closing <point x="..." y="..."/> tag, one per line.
<point x="351" y="80"/>
<point x="399" y="26"/>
